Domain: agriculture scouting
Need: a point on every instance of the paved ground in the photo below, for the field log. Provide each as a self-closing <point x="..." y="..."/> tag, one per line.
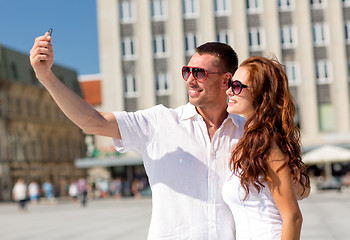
<point x="326" y="216"/>
<point x="125" y="219"/>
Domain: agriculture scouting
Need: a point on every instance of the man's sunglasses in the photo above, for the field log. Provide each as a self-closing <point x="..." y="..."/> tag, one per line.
<point x="236" y="86"/>
<point x="200" y="74"/>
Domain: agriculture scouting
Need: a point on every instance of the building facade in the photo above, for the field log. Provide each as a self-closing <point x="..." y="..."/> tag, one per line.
<point x="144" y="43"/>
<point x="37" y="142"/>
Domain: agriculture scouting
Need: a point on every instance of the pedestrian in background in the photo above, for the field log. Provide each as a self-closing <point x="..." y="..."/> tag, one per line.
<point x="73" y="191"/>
<point x="82" y="188"/>
<point x="115" y="188"/>
<point x="19" y="194"/>
<point x="48" y="191"/>
<point x="135" y="188"/>
<point x="34" y="191"/>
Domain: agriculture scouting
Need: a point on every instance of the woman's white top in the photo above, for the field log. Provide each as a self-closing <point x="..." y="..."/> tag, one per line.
<point x="257" y="217"/>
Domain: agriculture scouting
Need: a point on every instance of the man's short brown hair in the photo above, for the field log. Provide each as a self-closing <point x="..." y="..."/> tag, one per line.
<point x="227" y="56"/>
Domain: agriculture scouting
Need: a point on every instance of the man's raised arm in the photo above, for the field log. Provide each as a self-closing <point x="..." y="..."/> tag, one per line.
<point x="73" y="106"/>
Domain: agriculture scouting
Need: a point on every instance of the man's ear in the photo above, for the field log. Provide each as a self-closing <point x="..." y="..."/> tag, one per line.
<point x="226" y="78"/>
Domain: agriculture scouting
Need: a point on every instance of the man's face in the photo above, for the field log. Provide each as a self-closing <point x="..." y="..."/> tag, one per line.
<point x="210" y="92"/>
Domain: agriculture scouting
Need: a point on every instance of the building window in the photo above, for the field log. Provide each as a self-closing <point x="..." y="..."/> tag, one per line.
<point x="47" y="111"/>
<point x="347" y="32"/>
<point x="222" y="7"/>
<point x="34" y="81"/>
<point x="293" y="73"/>
<point x="127" y="11"/>
<point x="323" y="72"/>
<point x="128" y="48"/>
<point x="162" y="84"/>
<point x="18" y="105"/>
<point x="30" y="147"/>
<point x="159" y="46"/>
<point x="20" y="148"/>
<point x="225" y="36"/>
<point x="190" y="8"/>
<point x="11" y="146"/>
<point x="254" y="6"/>
<point x="318" y="4"/>
<point x="286" y="5"/>
<point x="130" y="86"/>
<point x="40" y="148"/>
<point x="288" y="36"/>
<point x="50" y="149"/>
<point x="346" y="3"/>
<point x="14" y="70"/>
<point x="349" y="69"/>
<point x="1" y="106"/>
<point x="326" y="117"/>
<point x="37" y="109"/>
<point x="320" y="34"/>
<point x="191" y="41"/>
<point x="158" y="10"/>
<point x="256" y="39"/>
<point x="29" y="107"/>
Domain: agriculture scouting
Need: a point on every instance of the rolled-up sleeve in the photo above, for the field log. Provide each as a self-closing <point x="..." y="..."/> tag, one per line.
<point x="136" y="129"/>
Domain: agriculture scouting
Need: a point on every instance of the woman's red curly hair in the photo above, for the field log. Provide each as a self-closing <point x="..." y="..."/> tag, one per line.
<point x="272" y="122"/>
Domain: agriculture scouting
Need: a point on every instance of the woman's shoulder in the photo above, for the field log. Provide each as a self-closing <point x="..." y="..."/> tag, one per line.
<point x="276" y="158"/>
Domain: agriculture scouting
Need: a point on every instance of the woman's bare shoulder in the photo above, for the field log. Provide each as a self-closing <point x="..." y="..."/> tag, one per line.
<point x="276" y="157"/>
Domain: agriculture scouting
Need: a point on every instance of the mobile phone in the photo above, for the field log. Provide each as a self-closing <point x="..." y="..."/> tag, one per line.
<point x="50" y="31"/>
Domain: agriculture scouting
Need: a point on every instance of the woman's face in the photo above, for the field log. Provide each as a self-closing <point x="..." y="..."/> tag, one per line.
<point x="243" y="102"/>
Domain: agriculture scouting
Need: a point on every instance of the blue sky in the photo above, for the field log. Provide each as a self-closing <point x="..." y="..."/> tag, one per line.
<point x="74" y="27"/>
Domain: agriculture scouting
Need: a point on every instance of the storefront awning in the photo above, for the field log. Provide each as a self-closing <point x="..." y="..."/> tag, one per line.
<point x="327" y="154"/>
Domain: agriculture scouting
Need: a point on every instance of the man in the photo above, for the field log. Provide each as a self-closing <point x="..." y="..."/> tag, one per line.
<point x="185" y="150"/>
<point x="19" y="194"/>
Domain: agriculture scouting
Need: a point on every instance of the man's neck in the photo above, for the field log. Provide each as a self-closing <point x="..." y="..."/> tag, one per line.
<point x="213" y="117"/>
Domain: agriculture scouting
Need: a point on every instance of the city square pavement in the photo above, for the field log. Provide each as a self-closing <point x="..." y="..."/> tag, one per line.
<point x="326" y="217"/>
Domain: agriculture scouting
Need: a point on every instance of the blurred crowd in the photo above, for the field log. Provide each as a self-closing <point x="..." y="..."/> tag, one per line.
<point x="78" y="190"/>
<point x="22" y="193"/>
<point x="340" y="183"/>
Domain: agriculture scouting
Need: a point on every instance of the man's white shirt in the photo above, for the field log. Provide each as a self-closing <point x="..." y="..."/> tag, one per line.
<point x="185" y="169"/>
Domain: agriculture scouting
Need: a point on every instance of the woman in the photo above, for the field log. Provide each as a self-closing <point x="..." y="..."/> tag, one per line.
<point x="260" y="190"/>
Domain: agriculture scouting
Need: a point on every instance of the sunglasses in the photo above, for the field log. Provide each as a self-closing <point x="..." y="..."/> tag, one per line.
<point x="236" y="86"/>
<point x="200" y="74"/>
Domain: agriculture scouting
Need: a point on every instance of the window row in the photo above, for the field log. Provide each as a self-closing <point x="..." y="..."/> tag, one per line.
<point x="20" y="148"/>
<point x="323" y="72"/>
<point x="162" y="85"/>
<point x="256" y="40"/>
<point x="256" y="6"/>
<point x="161" y="44"/>
<point x="17" y="106"/>
<point x="191" y="8"/>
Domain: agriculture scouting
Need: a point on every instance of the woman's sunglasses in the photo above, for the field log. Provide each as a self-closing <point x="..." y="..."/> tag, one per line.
<point x="236" y="86"/>
<point x="200" y="74"/>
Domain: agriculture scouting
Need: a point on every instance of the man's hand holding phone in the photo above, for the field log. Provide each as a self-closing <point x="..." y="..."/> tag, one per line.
<point x="41" y="55"/>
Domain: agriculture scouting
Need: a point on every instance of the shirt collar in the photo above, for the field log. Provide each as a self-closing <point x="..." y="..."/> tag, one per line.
<point x="234" y="118"/>
<point x="190" y="112"/>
